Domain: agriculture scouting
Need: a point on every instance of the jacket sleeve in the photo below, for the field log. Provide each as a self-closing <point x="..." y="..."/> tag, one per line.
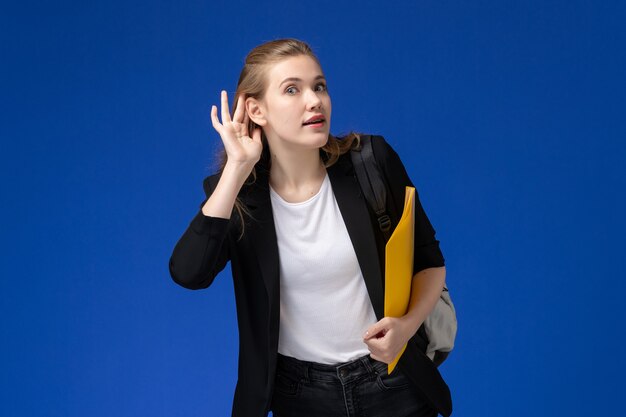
<point x="427" y="252"/>
<point x="202" y="251"/>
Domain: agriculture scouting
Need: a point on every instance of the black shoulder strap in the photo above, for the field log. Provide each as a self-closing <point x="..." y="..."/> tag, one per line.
<point x="371" y="182"/>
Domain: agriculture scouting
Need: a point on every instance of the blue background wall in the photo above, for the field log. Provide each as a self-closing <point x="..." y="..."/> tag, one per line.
<point x="509" y="116"/>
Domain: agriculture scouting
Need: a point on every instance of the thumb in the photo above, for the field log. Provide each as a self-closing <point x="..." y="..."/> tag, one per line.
<point x="376" y="329"/>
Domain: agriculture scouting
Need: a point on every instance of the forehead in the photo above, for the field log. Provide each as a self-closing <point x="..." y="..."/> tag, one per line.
<point x="302" y="66"/>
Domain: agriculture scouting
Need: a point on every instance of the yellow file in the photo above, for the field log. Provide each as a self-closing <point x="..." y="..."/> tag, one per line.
<point x="399" y="265"/>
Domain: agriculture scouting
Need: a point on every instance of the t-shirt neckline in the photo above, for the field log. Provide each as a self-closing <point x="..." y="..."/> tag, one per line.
<point x="282" y="201"/>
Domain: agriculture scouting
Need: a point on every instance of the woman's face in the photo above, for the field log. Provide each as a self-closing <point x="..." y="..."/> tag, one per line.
<point x="296" y="92"/>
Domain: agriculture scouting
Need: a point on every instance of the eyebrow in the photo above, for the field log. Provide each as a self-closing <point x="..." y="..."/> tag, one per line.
<point x="319" y="77"/>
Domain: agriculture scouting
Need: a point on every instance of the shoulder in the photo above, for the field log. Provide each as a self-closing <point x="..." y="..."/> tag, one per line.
<point x="383" y="148"/>
<point x="380" y="146"/>
<point x="384" y="154"/>
<point x="385" y="157"/>
<point x="390" y="164"/>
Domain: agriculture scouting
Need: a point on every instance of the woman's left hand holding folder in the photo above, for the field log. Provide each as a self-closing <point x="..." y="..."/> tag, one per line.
<point x="386" y="338"/>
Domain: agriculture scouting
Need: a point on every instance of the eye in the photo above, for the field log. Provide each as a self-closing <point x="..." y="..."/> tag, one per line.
<point x="322" y="85"/>
<point x="292" y="89"/>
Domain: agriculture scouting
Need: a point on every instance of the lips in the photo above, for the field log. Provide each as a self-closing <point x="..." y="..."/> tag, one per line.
<point x="318" y="118"/>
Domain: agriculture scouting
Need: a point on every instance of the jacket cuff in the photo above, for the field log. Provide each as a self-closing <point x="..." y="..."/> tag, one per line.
<point x="428" y="257"/>
<point x="208" y="225"/>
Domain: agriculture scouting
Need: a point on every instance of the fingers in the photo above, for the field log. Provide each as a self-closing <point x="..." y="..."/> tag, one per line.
<point x="225" y="111"/>
<point x="376" y="351"/>
<point x="239" y="112"/>
<point x="236" y="128"/>
<point x="214" y="120"/>
<point x="376" y="346"/>
<point x="381" y="350"/>
<point x="375" y="329"/>
<point x="245" y="122"/>
<point x="385" y="339"/>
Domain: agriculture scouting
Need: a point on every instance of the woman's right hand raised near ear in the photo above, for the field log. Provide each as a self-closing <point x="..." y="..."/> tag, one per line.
<point x="241" y="148"/>
<point x="242" y="152"/>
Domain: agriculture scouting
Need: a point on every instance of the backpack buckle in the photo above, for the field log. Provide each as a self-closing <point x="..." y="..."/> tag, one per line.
<point x="384" y="222"/>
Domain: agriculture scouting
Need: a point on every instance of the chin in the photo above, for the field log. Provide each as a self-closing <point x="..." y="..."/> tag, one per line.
<point x="308" y="140"/>
<point x="323" y="139"/>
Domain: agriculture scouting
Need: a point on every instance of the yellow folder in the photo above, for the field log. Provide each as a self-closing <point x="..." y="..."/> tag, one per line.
<point x="399" y="265"/>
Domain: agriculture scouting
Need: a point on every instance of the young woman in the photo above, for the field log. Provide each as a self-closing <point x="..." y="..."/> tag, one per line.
<point x="306" y="254"/>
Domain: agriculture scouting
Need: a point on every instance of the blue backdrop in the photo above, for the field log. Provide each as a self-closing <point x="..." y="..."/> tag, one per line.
<point x="509" y="116"/>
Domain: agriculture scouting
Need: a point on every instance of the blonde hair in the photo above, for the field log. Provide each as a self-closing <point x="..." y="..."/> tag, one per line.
<point x="253" y="83"/>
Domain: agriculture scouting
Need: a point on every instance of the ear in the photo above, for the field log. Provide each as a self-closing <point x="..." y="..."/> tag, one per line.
<point x="255" y="111"/>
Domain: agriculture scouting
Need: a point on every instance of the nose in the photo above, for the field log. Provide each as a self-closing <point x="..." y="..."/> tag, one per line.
<point x="313" y="100"/>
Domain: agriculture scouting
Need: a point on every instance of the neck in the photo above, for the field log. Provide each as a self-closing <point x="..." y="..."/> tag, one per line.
<point x="296" y="169"/>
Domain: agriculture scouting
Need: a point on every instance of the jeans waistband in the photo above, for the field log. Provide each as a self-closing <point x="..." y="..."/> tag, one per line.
<point x="344" y="372"/>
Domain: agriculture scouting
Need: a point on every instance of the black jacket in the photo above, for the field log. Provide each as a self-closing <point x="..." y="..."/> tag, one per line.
<point x="209" y="243"/>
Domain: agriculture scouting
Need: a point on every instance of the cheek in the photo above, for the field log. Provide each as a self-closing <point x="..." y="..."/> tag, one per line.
<point x="281" y="119"/>
<point x="287" y="114"/>
<point x="278" y="114"/>
<point x="327" y="103"/>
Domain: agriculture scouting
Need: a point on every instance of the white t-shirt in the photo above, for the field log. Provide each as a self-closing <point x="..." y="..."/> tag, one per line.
<point x="324" y="304"/>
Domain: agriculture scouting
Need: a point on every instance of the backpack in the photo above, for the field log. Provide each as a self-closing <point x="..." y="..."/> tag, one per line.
<point x="439" y="329"/>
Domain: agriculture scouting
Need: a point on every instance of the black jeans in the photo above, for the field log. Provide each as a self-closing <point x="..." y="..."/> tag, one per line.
<point x="358" y="388"/>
